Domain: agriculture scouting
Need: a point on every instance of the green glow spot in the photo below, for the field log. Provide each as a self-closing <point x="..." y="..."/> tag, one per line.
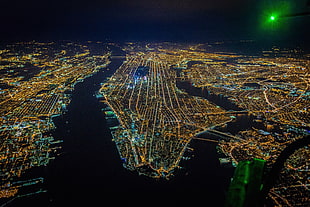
<point x="272" y="15"/>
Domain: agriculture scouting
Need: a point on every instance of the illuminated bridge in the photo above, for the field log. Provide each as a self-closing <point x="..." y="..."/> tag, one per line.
<point x="237" y="112"/>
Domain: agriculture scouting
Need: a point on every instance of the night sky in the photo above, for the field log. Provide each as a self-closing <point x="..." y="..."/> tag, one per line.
<point x="147" y="20"/>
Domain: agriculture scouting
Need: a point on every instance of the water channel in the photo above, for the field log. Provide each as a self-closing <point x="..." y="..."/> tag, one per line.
<point x="89" y="170"/>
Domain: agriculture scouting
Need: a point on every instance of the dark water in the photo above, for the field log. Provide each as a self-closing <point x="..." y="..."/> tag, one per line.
<point x="89" y="172"/>
<point x="242" y="121"/>
<point x="219" y="100"/>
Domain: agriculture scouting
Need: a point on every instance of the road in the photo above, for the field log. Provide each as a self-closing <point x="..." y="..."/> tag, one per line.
<point x="157" y="120"/>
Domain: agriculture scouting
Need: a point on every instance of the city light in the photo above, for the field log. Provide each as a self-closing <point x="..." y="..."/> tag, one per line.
<point x="32" y="93"/>
<point x="160" y="99"/>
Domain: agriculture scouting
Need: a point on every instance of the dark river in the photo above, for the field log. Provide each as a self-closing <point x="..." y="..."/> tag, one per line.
<point x="89" y="172"/>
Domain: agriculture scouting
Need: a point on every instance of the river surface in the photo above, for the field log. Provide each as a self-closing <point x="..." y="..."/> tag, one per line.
<point x="89" y="170"/>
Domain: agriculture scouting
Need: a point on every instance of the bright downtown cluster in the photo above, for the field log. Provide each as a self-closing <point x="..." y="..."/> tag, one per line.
<point x="157" y="120"/>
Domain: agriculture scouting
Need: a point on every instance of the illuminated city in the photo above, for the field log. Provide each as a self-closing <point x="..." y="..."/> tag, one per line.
<point x="158" y="119"/>
<point x="35" y="81"/>
<point x="159" y="97"/>
<point x="157" y="102"/>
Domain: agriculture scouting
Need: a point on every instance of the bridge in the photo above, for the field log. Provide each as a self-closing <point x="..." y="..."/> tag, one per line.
<point x="223" y="135"/>
<point x="117" y="57"/>
<point x="236" y="112"/>
<point x="217" y="133"/>
<point x="205" y="139"/>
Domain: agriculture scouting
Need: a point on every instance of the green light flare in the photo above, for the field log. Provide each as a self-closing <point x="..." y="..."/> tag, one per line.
<point x="271" y="18"/>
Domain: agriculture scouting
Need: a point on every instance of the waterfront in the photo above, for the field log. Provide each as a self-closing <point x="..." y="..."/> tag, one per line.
<point x="89" y="168"/>
<point x="56" y="147"/>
